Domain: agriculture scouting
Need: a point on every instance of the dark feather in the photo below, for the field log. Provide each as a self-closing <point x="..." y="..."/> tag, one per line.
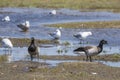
<point x="32" y="49"/>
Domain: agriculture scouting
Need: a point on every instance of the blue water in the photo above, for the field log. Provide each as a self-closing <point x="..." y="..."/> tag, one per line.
<point x="38" y="17"/>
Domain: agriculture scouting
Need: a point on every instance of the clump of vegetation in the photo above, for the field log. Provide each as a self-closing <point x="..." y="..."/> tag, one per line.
<point x="66" y="43"/>
<point x="116" y="55"/>
<point x="79" y="71"/>
<point x="98" y="24"/>
<point x="22" y="42"/>
<point x="59" y="51"/>
<point x="3" y="58"/>
<point x="26" y="70"/>
<point x="108" y="57"/>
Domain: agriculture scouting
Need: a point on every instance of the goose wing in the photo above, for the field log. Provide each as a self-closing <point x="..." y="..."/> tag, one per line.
<point x="83" y="48"/>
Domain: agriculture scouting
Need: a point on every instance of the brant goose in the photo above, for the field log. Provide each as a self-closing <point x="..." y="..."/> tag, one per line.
<point x="24" y="26"/>
<point x="91" y="50"/>
<point x="6" y="18"/>
<point x="33" y="49"/>
<point x="6" y="43"/>
<point x="82" y="35"/>
<point x="56" y="35"/>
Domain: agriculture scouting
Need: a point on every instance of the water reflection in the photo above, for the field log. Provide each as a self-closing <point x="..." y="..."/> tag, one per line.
<point x="22" y="54"/>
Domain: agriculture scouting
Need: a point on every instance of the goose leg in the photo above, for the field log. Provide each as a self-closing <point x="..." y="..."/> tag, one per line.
<point x="31" y="57"/>
<point x="86" y="56"/>
<point x="90" y="58"/>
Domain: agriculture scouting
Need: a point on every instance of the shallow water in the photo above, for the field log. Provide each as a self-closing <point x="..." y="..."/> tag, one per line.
<point x="113" y="64"/>
<point x="22" y="54"/>
<point x="38" y="17"/>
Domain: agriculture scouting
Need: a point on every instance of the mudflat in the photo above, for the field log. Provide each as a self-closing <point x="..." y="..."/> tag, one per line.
<point x="27" y="70"/>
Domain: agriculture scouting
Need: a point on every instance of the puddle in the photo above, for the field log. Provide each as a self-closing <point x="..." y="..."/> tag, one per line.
<point x="56" y="62"/>
<point x="109" y="63"/>
<point x="113" y="64"/>
<point x="22" y="54"/>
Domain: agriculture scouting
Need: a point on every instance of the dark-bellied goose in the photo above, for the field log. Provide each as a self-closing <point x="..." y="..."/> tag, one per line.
<point x="6" y="43"/>
<point x="24" y="26"/>
<point x="91" y="50"/>
<point x="33" y="49"/>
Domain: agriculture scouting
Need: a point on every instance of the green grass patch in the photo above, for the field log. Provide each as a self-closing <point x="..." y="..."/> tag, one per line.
<point x="22" y="42"/>
<point x="98" y="24"/>
<point x="26" y="70"/>
<point x="79" y="71"/>
<point x="77" y="4"/>
<point x="3" y="58"/>
<point x="108" y="57"/>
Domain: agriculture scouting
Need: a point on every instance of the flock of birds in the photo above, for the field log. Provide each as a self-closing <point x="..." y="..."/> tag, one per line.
<point x="33" y="50"/>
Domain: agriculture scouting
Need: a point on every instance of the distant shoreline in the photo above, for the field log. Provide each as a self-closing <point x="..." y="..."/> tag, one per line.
<point x="84" y="25"/>
<point x="107" y="5"/>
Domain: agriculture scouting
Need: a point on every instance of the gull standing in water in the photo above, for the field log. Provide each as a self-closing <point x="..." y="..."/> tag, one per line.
<point x="53" y="12"/>
<point x="6" y="43"/>
<point x="24" y="26"/>
<point x="82" y="35"/>
<point x="6" y="19"/>
<point x="57" y="34"/>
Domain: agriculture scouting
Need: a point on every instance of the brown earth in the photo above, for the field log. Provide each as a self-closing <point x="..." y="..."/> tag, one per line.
<point x="26" y="70"/>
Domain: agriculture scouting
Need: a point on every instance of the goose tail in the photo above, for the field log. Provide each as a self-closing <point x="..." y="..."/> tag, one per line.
<point x="80" y="49"/>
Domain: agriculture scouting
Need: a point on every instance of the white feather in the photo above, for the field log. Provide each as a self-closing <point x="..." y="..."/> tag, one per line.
<point x="56" y="34"/>
<point x="24" y="26"/>
<point x="82" y="35"/>
<point x="6" y="18"/>
<point x="7" y="43"/>
<point x="93" y="51"/>
<point x="53" y="12"/>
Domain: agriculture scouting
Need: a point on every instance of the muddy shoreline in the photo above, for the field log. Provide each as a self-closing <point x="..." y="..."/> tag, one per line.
<point x="25" y="70"/>
<point x="107" y="57"/>
<point x="24" y="42"/>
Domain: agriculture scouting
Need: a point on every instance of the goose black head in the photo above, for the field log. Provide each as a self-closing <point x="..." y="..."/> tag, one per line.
<point x="32" y="39"/>
<point x="103" y="41"/>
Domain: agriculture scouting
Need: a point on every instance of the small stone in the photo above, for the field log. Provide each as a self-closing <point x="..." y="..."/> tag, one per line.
<point x="94" y="73"/>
